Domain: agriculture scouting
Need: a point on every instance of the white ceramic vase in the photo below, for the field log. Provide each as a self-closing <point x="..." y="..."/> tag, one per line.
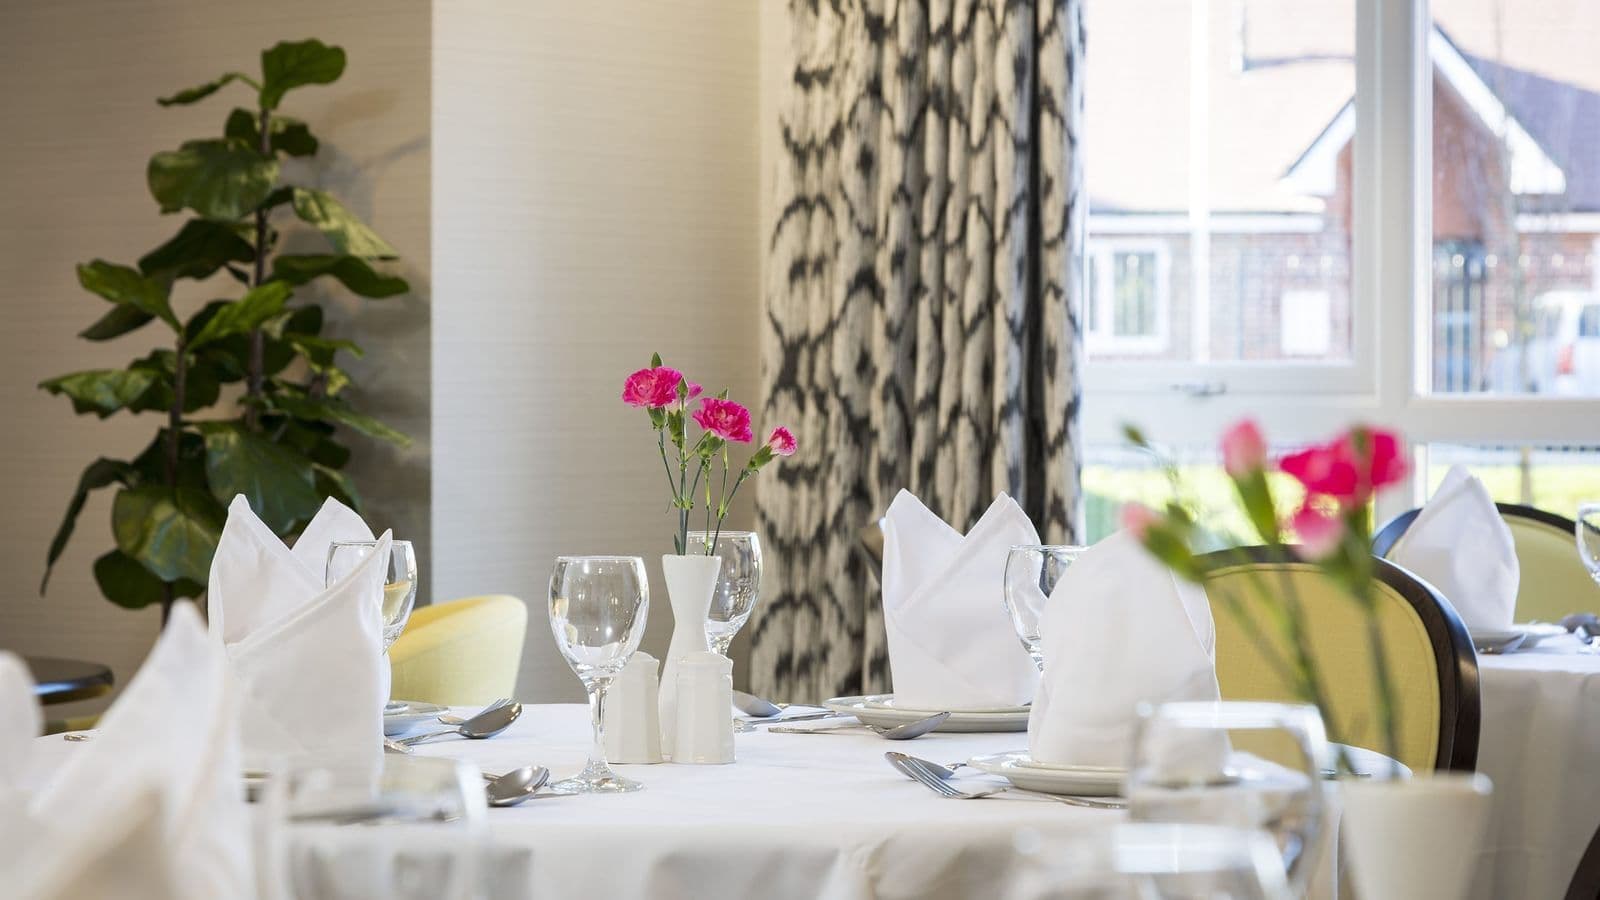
<point x="1416" y="838"/>
<point x="690" y="583"/>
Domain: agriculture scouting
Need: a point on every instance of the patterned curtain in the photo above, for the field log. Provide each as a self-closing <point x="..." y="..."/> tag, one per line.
<point x="921" y="307"/>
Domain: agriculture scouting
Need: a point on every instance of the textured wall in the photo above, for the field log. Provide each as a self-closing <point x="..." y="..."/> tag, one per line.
<point x="595" y="198"/>
<point x="81" y="79"/>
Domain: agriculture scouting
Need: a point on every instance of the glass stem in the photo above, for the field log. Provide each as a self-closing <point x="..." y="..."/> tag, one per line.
<point x="597" y="709"/>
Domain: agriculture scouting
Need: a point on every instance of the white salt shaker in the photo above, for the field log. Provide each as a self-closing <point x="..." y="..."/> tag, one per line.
<point x="633" y="723"/>
<point x="704" y="727"/>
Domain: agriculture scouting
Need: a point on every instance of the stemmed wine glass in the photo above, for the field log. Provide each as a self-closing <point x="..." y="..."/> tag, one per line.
<point x="1032" y="572"/>
<point x="1589" y="538"/>
<point x="738" y="582"/>
<point x="399" y="586"/>
<point x="598" y="607"/>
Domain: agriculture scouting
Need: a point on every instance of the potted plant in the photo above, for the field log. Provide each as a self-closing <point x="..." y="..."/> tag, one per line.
<point x="280" y="443"/>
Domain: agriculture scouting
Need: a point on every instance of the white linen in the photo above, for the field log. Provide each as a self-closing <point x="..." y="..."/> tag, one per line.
<point x="1125" y="631"/>
<point x="951" y="644"/>
<point x="151" y="805"/>
<point x="308" y="660"/>
<point x="1460" y="545"/>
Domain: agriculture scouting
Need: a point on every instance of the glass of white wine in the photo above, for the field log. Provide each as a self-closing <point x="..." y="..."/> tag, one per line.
<point x="399" y="586"/>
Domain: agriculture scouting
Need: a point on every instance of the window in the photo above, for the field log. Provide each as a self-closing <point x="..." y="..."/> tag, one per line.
<point x="1404" y="231"/>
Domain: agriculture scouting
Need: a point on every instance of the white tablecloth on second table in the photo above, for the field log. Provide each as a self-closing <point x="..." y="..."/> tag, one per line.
<point x="1540" y="744"/>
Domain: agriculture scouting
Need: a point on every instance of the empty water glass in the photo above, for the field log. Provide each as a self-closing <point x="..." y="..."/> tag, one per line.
<point x="399" y="585"/>
<point x="598" y="607"/>
<point x="1589" y="538"/>
<point x="738" y="582"/>
<point x="1032" y="573"/>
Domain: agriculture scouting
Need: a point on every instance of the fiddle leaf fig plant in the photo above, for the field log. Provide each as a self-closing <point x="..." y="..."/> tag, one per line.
<point x="280" y="443"/>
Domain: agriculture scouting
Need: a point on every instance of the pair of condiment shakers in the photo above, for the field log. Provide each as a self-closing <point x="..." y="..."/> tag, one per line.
<point x="702" y="728"/>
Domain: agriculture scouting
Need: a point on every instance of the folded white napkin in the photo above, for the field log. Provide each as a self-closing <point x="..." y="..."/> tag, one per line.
<point x="152" y="805"/>
<point x="951" y="644"/>
<point x="1123" y="630"/>
<point x="1459" y="544"/>
<point x="308" y="660"/>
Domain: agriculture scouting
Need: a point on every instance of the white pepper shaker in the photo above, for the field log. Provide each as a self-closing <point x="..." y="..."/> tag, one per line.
<point x="704" y="727"/>
<point x="633" y="721"/>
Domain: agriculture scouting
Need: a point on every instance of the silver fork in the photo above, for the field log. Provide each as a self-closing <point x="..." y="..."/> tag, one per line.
<point x="910" y="767"/>
<point x="461" y="720"/>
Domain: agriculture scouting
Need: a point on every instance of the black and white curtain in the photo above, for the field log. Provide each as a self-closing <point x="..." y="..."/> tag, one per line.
<point x="921" y="325"/>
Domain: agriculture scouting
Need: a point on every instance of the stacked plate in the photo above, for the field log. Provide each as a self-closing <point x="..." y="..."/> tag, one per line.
<point x="881" y="709"/>
<point x="400" y="716"/>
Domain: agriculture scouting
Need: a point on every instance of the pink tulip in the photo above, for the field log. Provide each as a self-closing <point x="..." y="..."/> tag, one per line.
<point x="1319" y="532"/>
<point x="782" y="441"/>
<point x="652" y="388"/>
<point x="1244" y="449"/>
<point x="1137" y="519"/>
<point x="725" y="419"/>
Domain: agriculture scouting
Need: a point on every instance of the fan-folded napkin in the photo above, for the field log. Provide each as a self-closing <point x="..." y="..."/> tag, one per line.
<point x="1459" y="544"/>
<point x="1120" y="630"/>
<point x="308" y="659"/>
<point x="951" y="644"/>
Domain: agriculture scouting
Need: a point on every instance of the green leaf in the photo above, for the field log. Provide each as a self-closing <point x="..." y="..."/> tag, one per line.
<point x="127" y="583"/>
<point x="173" y="532"/>
<point x="319" y="352"/>
<point x="100" y="473"/>
<point x="348" y="234"/>
<point x="355" y="273"/>
<point x="197" y="251"/>
<point x="219" y="179"/>
<point x="333" y="483"/>
<point x="293" y="64"/>
<point x="119" y="321"/>
<point x="150" y="466"/>
<point x="243" y="315"/>
<point x="101" y="391"/>
<point x="335" y="412"/>
<point x="123" y="285"/>
<point x="202" y="91"/>
<point x="277" y="481"/>
<point x="289" y="136"/>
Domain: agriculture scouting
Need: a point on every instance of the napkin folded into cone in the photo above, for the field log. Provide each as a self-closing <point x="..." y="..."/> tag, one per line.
<point x="1459" y="544"/>
<point x="1120" y="630"/>
<point x="307" y="659"/>
<point x="951" y="643"/>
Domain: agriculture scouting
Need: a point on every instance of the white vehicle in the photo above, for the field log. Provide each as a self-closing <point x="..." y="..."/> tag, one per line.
<point x="1564" y="352"/>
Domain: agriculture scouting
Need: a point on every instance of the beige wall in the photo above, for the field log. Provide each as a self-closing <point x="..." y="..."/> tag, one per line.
<point x="595" y="199"/>
<point x="81" y="79"/>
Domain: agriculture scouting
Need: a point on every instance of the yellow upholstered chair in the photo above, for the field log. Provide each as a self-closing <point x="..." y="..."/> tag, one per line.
<point x="1554" y="581"/>
<point x="1432" y="663"/>
<point x="461" y="653"/>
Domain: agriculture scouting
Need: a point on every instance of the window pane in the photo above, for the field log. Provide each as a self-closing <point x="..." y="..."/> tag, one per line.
<point x="1116" y="475"/>
<point x="1554" y="478"/>
<point x="1217" y="143"/>
<point x="1516" y="197"/>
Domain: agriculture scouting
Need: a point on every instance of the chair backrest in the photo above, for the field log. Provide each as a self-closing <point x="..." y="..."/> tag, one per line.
<point x="1554" y="581"/>
<point x="1430" y="656"/>
<point x="464" y="652"/>
<point x="1586" y="880"/>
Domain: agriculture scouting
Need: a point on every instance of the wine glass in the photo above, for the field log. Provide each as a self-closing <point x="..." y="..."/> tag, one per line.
<point x="1032" y="572"/>
<point x="598" y="607"/>
<point x="1589" y="538"/>
<point x="1237" y="764"/>
<point x="399" y="586"/>
<point x="738" y="582"/>
<point x="1140" y="861"/>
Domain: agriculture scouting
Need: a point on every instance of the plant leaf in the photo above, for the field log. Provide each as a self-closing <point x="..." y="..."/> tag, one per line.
<point x="291" y="64"/>
<point x="289" y="136"/>
<point x="101" y="473"/>
<point x="277" y="480"/>
<point x="335" y="412"/>
<point x="201" y="91"/>
<point x="123" y="285"/>
<point x="118" y="321"/>
<point x="173" y="532"/>
<point x="243" y="315"/>
<point x="102" y="391"/>
<point x="198" y="250"/>
<point x="347" y="233"/>
<point x="355" y="273"/>
<point x="149" y="467"/>
<point x="219" y="179"/>
<point x="333" y="483"/>
<point x="319" y="352"/>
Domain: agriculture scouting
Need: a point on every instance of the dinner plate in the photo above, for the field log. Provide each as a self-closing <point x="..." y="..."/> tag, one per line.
<point x="1531" y="634"/>
<point x="1050" y="778"/>
<point x="880" y="709"/>
<point x="400" y="716"/>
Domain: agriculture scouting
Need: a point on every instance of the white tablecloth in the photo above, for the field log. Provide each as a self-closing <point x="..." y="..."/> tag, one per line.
<point x="1540" y="744"/>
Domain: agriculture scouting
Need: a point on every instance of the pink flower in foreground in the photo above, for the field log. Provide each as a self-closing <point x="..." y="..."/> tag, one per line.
<point x="652" y="388"/>
<point x="1138" y="518"/>
<point x="782" y="441"/>
<point x="1319" y="532"/>
<point x="1244" y="449"/>
<point x="725" y="419"/>
<point x="1351" y="467"/>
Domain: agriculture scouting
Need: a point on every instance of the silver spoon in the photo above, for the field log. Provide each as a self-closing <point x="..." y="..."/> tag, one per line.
<point x="483" y="725"/>
<point x="898" y="733"/>
<point x="756" y="707"/>
<point x="514" y="786"/>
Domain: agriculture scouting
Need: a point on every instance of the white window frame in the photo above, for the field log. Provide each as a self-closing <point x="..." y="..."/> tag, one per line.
<point x="1105" y="251"/>
<point x="1385" y="382"/>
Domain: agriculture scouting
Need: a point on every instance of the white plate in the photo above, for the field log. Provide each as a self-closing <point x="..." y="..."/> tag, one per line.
<point x="400" y="716"/>
<point x="1049" y="778"/>
<point x="1531" y="635"/>
<point x="880" y="709"/>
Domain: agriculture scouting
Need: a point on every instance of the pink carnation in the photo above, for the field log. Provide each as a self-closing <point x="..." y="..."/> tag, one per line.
<point x="1319" y="532"/>
<point x="1350" y="468"/>
<point x="782" y="441"/>
<point x="1244" y="449"/>
<point x="1138" y="518"/>
<point x="652" y="388"/>
<point x="725" y="419"/>
<point x="695" y="390"/>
